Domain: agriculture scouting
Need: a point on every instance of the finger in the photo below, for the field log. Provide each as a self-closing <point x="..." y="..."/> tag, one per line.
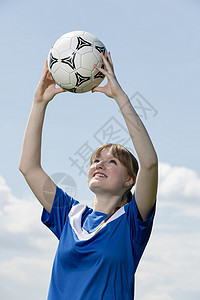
<point x="45" y="66"/>
<point x="49" y="76"/>
<point x="60" y="90"/>
<point x="107" y="64"/>
<point x="45" y="73"/>
<point x="98" y="89"/>
<point x="103" y="71"/>
<point x="110" y="59"/>
<point x="46" y="63"/>
<point x="56" y="91"/>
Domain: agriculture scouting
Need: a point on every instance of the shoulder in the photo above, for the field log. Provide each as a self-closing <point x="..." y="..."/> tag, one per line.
<point x="139" y="230"/>
<point x="133" y="213"/>
<point x="63" y="199"/>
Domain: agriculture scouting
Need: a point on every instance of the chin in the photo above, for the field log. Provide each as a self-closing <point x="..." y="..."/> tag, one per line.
<point x="95" y="187"/>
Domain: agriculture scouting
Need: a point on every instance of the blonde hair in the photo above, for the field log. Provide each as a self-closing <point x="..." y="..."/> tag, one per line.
<point x="126" y="158"/>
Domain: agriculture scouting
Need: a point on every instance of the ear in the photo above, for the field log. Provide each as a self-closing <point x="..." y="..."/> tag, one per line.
<point x="130" y="181"/>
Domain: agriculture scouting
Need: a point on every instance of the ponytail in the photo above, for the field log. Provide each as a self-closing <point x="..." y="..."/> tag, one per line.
<point x="126" y="198"/>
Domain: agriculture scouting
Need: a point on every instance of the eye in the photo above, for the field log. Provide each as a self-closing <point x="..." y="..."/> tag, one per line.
<point x="113" y="161"/>
<point x="96" y="161"/>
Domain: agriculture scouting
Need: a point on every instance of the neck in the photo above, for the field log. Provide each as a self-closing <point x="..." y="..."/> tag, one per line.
<point x="106" y="203"/>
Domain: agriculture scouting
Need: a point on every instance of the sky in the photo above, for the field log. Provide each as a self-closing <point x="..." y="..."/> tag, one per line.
<point x="155" y="48"/>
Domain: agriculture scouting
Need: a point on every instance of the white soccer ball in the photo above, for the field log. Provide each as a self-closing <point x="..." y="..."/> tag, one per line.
<point x="71" y="61"/>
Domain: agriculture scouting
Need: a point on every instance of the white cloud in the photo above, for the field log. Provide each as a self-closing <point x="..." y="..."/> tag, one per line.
<point x="4" y="191"/>
<point x="179" y="189"/>
<point x="27" y="247"/>
<point x="20" y="275"/>
<point x="173" y="180"/>
<point x="17" y="215"/>
<point x="17" y="268"/>
<point x="170" y="267"/>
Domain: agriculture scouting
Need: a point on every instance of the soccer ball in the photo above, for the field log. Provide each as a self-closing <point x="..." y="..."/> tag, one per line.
<point x="71" y="61"/>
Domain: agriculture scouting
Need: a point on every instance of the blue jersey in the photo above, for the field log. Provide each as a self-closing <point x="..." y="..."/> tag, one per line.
<point x="95" y="265"/>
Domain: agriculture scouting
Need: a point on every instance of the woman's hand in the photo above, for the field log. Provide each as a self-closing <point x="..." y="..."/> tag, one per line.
<point x="112" y="89"/>
<point x="46" y="89"/>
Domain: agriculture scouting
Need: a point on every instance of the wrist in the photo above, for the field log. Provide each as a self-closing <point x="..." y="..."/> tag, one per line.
<point x="121" y="98"/>
<point x="39" y="101"/>
<point x="39" y="106"/>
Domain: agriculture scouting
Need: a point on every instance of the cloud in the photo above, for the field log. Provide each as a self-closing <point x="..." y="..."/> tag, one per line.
<point x="24" y="278"/>
<point x="179" y="180"/>
<point x="27" y="247"/>
<point x="179" y="189"/>
<point x="20" y="219"/>
<point x="170" y="267"/>
<point x="17" y="215"/>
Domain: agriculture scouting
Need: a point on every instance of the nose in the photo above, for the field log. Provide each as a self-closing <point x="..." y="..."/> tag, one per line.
<point x="100" y="164"/>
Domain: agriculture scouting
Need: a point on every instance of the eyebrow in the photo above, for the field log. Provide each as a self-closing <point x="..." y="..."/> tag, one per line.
<point x="111" y="157"/>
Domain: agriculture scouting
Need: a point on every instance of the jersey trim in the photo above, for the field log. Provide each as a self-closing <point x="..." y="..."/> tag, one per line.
<point x="75" y="217"/>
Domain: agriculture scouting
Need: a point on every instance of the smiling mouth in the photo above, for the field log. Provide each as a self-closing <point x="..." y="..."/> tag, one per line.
<point x="100" y="175"/>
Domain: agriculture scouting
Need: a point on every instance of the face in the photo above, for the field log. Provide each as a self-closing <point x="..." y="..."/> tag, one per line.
<point x="107" y="174"/>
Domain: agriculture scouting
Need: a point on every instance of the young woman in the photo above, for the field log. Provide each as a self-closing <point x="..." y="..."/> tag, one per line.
<point x="100" y="248"/>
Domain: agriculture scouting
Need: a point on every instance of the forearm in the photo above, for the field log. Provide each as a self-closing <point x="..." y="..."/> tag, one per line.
<point x="139" y="135"/>
<point x="31" y="149"/>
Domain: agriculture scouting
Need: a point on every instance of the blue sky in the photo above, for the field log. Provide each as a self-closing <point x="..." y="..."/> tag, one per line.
<point x="155" y="47"/>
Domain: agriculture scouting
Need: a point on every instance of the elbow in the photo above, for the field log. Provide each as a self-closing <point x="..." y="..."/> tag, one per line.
<point x="153" y="164"/>
<point x="27" y="169"/>
<point x="150" y="163"/>
<point x="22" y="169"/>
<point x="154" y="161"/>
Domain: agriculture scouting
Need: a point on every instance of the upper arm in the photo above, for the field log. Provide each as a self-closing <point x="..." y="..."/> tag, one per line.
<point x="42" y="186"/>
<point x="146" y="190"/>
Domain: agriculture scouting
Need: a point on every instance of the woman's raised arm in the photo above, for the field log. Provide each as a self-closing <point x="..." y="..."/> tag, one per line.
<point x="30" y="161"/>
<point x="147" y="178"/>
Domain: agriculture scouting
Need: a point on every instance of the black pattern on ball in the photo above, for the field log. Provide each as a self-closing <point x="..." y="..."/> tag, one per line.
<point x="73" y="90"/>
<point x="80" y="79"/>
<point x="70" y="60"/>
<point x="101" y="49"/>
<point x="82" y="43"/>
<point x="99" y="75"/>
<point x="52" y="60"/>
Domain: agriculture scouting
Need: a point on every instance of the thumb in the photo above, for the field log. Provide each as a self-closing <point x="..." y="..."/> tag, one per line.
<point x="60" y="90"/>
<point x="98" y="89"/>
